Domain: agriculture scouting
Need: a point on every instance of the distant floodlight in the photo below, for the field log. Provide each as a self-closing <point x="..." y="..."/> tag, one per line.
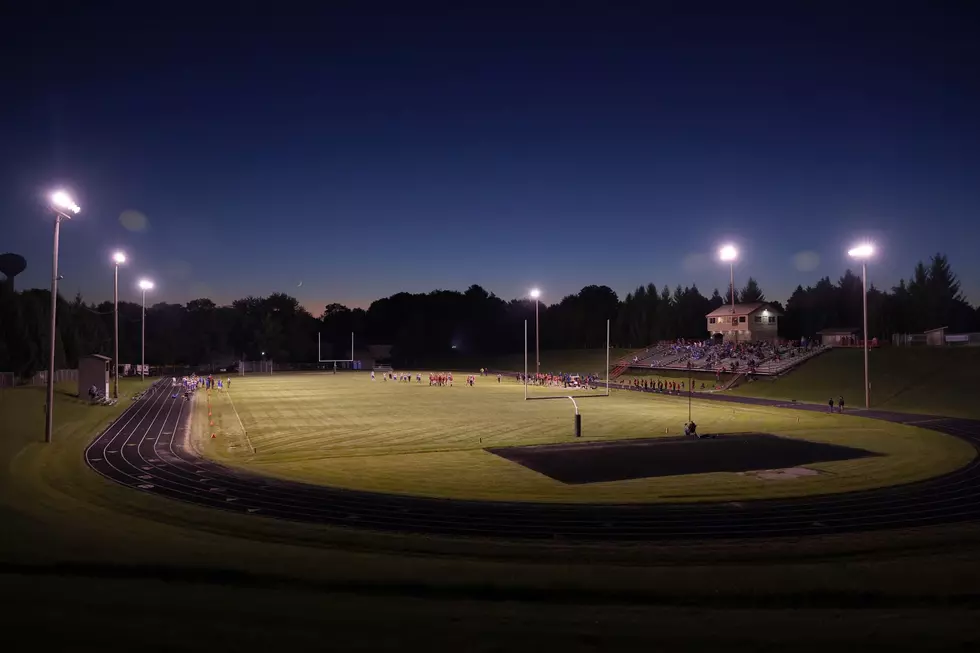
<point x="535" y="293"/>
<point x="146" y="284"/>
<point x="62" y="200"/>
<point x="866" y="250"/>
<point x="728" y="253"/>
<point x="119" y="258"/>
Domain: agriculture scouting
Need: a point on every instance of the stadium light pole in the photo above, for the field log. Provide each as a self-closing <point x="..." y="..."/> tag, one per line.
<point x="536" y="295"/>
<point x="728" y="254"/>
<point x="863" y="253"/>
<point x="118" y="258"/>
<point x="145" y="284"/>
<point x="64" y="207"/>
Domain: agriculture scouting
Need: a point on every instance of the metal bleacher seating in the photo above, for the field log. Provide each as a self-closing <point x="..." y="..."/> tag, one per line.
<point x="768" y="359"/>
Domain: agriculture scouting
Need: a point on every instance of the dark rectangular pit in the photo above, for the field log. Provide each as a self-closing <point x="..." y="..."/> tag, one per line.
<point x="598" y="462"/>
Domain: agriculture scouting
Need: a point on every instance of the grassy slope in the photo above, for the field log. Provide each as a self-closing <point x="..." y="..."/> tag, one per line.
<point x="937" y="381"/>
<point x="97" y="565"/>
<point x="348" y="431"/>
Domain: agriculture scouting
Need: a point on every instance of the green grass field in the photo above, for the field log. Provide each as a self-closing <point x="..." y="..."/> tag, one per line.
<point x="345" y="430"/>
<point x="94" y="565"/>
<point x="934" y="380"/>
<point x="22" y="410"/>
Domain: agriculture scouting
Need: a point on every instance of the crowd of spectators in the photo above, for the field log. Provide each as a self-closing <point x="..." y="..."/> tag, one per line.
<point x="561" y="380"/>
<point x="721" y="356"/>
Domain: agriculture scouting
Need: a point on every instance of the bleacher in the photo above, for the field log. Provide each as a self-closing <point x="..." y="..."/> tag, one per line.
<point x="763" y="358"/>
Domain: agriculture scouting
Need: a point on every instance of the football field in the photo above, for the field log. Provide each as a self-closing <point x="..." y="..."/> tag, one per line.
<point x="346" y="430"/>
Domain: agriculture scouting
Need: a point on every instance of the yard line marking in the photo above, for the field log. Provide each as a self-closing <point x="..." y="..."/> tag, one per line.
<point x="247" y="439"/>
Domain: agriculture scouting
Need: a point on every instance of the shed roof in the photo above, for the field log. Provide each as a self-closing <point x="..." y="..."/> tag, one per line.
<point x="99" y="356"/>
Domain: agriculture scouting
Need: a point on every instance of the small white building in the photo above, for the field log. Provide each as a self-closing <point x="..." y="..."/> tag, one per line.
<point x="936" y="337"/>
<point x="93" y="371"/>
<point x="745" y="322"/>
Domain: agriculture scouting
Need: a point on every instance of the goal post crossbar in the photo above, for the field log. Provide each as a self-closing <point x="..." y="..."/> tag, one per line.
<point x="573" y="398"/>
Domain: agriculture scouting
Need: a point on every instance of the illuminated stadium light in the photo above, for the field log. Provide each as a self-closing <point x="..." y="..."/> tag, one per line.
<point x="62" y="200"/>
<point x="865" y="250"/>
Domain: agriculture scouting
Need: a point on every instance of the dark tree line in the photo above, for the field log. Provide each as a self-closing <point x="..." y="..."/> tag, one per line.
<point x="442" y="324"/>
<point x="930" y="298"/>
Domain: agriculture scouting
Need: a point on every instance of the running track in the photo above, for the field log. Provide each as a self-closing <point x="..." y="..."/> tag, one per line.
<point x="146" y="448"/>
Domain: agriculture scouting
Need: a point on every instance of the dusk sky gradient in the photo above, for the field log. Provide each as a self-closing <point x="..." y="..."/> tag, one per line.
<point x="369" y="153"/>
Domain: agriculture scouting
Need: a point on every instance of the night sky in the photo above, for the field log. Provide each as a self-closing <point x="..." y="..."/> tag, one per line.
<point x="364" y="154"/>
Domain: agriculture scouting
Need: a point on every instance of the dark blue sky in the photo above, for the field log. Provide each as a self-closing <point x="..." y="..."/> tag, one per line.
<point x="558" y="146"/>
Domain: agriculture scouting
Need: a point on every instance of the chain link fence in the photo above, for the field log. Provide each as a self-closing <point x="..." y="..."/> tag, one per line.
<point x="60" y="376"/>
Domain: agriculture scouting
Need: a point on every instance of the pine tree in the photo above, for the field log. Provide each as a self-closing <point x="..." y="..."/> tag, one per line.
<point x="716" y="300"/>
<point x="751" y="292"/>
<point x="731" y="297"/>
<point x="942" y="283"/>
<point x="946" y="303"/>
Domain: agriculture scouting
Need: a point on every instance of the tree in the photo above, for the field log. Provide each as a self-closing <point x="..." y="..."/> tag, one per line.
<point x="716" y="301"/>
<point x="333" y="310"/>
<point x="732" y="295"/>
<point x="945" y="301"/>
<point x="438" y="325"/>
<point x="751" y="292"/>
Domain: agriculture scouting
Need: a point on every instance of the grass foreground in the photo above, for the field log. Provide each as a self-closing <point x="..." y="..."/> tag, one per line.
<point x="409" y="438"/>
<point x="90" y="565"/>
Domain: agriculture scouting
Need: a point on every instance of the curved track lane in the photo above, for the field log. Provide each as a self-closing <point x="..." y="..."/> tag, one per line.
<point x="147" y="448"/>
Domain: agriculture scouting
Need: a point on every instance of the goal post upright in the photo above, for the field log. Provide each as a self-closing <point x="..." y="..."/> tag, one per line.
<point x="607" y="357"/>
<point x="525" y="360"/>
